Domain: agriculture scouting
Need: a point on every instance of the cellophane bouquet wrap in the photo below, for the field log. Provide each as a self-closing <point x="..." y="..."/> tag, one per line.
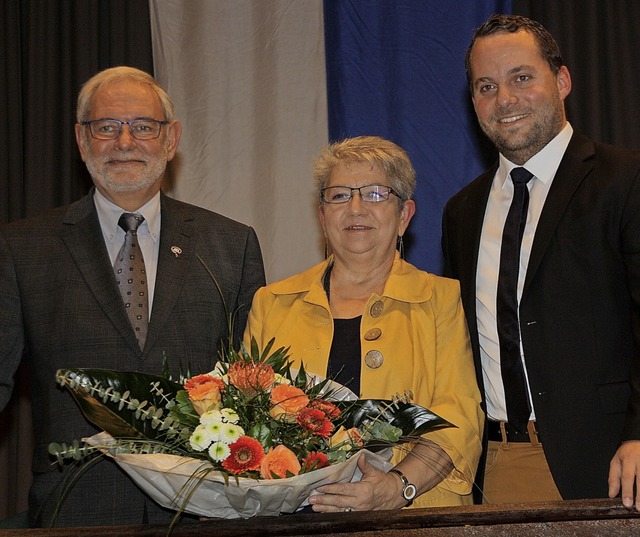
<point x="252" y="437"/>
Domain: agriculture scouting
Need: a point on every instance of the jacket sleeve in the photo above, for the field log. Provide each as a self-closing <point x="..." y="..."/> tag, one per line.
<point x="252" y="279"/>
<point x="456" y="396"/>
<point x="630" y="249"/>
<point x="11" y="325"/>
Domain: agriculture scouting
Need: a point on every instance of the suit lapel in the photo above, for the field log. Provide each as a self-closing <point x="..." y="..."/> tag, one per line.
<point x="469" y="219"/>
<point x="575" y="166"/>
<point x="175" y="256"/>
<point x="83" y="237"/>
<point x="474" y="210"/>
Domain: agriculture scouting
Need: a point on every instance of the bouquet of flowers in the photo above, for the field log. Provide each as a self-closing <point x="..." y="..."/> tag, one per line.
<point x="252" y="437"/>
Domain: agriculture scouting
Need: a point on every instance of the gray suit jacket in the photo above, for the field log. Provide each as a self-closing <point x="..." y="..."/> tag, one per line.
<point x="580" y="307"/>
<point x="60" y="308"/>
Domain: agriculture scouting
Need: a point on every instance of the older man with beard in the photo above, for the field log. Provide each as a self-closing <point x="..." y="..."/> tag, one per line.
<point x="61" y="304"/>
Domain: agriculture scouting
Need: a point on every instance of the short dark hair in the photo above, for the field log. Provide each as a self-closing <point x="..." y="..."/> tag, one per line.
<point x="501" y="24"/>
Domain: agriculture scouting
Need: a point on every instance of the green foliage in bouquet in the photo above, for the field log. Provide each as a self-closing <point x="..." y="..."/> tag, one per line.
<point x="125" y="404"/>
<point x="252" y="416"/>
<point x="385" y="422"/>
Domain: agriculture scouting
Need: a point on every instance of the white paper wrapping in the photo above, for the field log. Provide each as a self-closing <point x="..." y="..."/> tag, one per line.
<point x="168" y="479"/>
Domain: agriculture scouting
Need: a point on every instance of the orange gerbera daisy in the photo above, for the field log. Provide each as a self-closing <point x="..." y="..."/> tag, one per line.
<point x="316" y="421"/>
<point x="246" y="454"/>
<point x="314" y="461"/>
<point x="331" y="410"/>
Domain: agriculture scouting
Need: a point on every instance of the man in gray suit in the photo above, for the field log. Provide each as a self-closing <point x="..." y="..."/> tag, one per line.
<point x="60" y="305"/>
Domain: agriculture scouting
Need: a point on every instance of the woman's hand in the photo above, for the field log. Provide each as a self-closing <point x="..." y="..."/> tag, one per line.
<point x="426" y="465"/>
<point x="376" y="490"/>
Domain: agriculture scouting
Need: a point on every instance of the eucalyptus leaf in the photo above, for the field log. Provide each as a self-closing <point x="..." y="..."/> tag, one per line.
<point x="109" y="400"/>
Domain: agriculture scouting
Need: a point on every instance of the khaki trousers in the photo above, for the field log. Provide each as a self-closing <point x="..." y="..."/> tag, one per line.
<point x="517" y="472"/>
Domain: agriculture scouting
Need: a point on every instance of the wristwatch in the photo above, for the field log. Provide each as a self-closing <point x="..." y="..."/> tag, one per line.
<point x="408" y="489"/>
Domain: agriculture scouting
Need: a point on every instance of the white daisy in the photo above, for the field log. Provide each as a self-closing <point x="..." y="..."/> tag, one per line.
<point x="219" y="451"/>
<point x="211" y="416"/>
<point x="231" y="432"/>
<point x="200" y="439"/>
<point x="229" y="415"/>
<point x="215" y="431"/>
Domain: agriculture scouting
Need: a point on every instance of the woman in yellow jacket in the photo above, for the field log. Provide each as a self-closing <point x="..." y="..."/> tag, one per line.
<point x="377" y="324"/>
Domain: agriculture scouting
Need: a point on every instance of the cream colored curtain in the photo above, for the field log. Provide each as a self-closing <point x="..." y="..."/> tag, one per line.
<point x="248" y="81"/>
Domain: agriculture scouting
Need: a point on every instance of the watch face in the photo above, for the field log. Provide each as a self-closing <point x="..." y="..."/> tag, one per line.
<point x="409" y="492"/>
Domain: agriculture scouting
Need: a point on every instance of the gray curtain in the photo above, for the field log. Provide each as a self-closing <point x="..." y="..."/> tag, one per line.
<point x="250" y="92"/>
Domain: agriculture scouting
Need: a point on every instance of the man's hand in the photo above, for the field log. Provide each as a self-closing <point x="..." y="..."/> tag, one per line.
<point x="624" y="474"/>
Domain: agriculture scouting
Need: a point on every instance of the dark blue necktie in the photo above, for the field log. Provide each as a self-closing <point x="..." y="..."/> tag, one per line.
<point x="132" y="277"/>
<point x="513" y="377"/>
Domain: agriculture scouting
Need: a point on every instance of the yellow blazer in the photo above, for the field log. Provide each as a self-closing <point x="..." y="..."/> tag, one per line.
<point x="424" y="345"/>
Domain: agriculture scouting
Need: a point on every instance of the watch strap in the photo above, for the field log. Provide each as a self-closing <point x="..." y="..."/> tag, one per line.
<point x="409" y="490"/>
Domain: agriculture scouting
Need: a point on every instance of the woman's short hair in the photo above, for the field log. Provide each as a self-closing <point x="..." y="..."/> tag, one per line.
<point x="117" y="74"/>
<point x="389" y="157"/>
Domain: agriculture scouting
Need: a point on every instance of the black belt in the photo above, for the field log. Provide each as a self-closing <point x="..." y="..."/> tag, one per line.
<point x="513" y="435"/>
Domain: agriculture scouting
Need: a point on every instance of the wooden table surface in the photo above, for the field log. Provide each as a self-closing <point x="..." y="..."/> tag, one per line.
<point x="583" y="518"/>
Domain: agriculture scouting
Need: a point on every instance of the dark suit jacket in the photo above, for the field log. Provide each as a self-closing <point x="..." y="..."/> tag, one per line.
<point x="580" y="307"/>
<point x="60" y="308"/>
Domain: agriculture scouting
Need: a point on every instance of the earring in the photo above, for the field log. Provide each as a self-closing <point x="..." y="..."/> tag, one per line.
<point x="400" y="247"/>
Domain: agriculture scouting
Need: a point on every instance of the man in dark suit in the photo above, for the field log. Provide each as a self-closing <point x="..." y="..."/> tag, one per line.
<point x="60" y="305"/>
<point x="577" y="280"/>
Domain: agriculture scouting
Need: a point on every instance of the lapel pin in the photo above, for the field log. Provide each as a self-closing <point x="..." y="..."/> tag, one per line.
<point x="176" y="250"/>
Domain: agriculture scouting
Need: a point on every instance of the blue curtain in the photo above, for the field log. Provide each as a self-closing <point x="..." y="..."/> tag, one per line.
<point x="395" y="68"/>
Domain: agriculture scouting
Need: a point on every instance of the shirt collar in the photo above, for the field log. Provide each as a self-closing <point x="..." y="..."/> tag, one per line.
<point x="109" y="213"/>
<point x="544" y="164"/>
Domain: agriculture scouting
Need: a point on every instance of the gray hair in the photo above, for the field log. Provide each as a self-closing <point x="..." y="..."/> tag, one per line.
<point x="117" y="74"/>
<point x="391" y="158"/>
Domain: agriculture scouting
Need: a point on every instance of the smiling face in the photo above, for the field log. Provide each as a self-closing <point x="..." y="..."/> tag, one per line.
<point x="518" y="99"/>
<point x="359" y="227"/>
<point x="127" y="171"/>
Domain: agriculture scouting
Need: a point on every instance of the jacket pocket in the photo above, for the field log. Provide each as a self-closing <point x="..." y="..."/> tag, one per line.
<point x="614" y="396"/>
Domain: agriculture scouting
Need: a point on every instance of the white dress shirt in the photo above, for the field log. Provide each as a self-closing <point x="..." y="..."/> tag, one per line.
<point x="543" y="166"/>
<point x="148" y="234"/>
